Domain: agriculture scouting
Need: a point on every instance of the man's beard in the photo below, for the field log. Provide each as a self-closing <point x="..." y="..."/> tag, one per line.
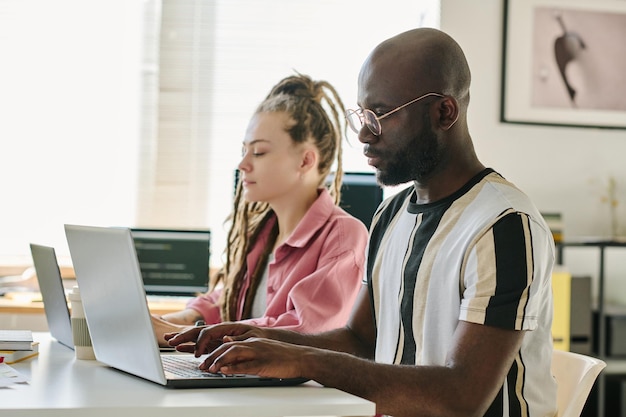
<point x="415" y="162"/>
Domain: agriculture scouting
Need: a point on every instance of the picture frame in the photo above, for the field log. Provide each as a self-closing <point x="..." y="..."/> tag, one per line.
<point x="564" y="63"/>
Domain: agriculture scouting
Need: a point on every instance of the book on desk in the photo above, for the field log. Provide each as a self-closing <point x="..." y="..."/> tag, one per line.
<point x="17" y="345"/>
<point x="16" y="339"/>
<point x="13" y="356"/>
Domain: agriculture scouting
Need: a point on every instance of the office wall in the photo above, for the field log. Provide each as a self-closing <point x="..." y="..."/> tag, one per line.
<point x="562" y="169"/>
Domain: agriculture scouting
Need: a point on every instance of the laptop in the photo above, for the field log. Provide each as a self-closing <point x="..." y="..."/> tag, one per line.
<point x="114" y="300"/>
<point x="52" y="294"/>
<point x="173" y="262"/>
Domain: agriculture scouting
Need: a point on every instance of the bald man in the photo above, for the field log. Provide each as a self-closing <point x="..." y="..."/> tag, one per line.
<point x="454" y="317"/>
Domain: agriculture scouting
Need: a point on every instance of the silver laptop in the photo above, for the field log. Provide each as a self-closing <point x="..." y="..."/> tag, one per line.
<point x="114" y="300"/>
<point x="52" y="294"/>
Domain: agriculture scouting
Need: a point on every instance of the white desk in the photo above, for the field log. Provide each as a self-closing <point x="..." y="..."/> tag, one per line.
<point x="63" y="386"/>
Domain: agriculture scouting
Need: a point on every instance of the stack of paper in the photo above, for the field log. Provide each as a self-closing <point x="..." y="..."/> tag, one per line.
<point x="9" y="376"/>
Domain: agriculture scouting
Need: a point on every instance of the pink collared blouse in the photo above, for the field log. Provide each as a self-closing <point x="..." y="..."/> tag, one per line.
<point x="315" y="275"/>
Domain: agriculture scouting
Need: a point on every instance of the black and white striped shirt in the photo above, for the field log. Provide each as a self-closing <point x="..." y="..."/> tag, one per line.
<point x="482" y="255"/>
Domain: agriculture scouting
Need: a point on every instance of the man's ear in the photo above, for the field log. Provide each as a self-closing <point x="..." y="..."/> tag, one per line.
<point x="448" y="112"/>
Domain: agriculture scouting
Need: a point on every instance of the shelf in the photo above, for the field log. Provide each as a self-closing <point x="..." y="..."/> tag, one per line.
<point x="615" y="366"/>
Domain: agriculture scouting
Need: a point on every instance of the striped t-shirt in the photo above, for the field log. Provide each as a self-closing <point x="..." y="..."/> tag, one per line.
<point x="483" y="255"/>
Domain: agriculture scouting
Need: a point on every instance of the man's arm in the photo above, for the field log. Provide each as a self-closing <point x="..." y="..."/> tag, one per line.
<point x="476" y="364"/>
<point x="357" y="337"/>
<point x="466" y="385"/>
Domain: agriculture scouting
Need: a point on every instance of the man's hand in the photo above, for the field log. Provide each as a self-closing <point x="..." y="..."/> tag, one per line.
<point x="202" y="340"/>
<point x="255" y="356"/>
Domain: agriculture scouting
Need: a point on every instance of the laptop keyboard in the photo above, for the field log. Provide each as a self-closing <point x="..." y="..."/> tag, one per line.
<point x="187" y="367"/>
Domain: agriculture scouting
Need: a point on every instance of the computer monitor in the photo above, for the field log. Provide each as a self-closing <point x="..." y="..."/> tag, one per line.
<point x="173" y="262"/>
<point x="361" y="195"/>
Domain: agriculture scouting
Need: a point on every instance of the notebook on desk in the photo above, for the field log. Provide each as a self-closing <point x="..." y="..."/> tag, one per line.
<point x="52" y="293"/>
<point x="114" y="300"/>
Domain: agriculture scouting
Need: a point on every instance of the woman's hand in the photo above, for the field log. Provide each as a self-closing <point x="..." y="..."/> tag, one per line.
<point x="187" y="317"/>
<point x="162" y="327"/>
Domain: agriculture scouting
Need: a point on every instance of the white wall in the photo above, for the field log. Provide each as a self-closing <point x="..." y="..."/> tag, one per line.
<point x="562" y="169"/>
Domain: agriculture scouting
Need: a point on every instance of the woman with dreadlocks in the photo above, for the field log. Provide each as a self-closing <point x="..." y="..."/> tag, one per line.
<point x="294" y="258"/>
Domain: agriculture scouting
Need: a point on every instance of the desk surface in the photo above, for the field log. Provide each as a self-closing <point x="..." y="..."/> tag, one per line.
<point x="24" y="304"/>
<point x="61" y="385"/>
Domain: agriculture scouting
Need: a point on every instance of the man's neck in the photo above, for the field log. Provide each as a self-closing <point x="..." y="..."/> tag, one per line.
<point x="446" y="183"/>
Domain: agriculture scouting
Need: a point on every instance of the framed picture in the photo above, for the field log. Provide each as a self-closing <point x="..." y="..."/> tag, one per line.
<point x="564" y="63"/>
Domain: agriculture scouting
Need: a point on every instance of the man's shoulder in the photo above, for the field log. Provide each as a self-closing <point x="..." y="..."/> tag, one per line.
<point x="502" y="188"/>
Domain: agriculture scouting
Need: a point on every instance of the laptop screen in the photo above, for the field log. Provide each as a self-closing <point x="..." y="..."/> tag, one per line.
<point x="173" y="262"/>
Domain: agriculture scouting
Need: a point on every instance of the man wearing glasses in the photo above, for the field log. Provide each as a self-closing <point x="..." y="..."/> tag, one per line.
<point x="455" y="312"/>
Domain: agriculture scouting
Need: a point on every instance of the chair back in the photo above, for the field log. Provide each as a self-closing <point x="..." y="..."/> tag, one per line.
<point x="575" y="375"/>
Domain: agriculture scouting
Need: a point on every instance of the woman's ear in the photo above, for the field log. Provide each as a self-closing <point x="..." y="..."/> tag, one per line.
<point x="309" y="159"/>
<point x="448" y="112"/>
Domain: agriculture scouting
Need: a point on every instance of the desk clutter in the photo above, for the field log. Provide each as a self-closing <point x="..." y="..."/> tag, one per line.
<point x="15" y="346"/>
<point x="9" y="376"/>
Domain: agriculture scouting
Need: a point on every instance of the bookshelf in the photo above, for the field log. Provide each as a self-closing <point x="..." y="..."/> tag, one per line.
<point x="614" y="366"/>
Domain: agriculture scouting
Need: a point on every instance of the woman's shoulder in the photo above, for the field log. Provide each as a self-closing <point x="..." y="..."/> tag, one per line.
<point x="339" y="216"/>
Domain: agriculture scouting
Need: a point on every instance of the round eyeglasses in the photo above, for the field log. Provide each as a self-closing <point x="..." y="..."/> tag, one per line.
<point x="357" y="118"/>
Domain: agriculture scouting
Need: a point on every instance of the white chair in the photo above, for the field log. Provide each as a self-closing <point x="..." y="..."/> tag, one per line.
<point x="575" y="375"/>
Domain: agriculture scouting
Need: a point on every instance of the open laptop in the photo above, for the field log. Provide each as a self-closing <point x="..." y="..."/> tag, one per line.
<point x="114" y="300"/>
<point x="52" y="294"/>
<point x="173" y="262"/>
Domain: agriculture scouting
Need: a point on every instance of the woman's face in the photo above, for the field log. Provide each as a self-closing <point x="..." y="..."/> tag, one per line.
<point x="272" y="163"/>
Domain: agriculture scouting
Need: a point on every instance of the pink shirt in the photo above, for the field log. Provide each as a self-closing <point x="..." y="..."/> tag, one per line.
<point x="314" y="277"/>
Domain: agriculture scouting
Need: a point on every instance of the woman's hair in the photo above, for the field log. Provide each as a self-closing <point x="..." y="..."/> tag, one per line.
<point x="316" y="112"/>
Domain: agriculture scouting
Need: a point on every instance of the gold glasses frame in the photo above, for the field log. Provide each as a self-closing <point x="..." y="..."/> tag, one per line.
<point x="357" y="118"/>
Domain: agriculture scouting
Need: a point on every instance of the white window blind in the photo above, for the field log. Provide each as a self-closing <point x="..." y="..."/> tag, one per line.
<point x="131" y="112"/>
<point x="69" y="118"/>
<point x="177" y="95"/>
